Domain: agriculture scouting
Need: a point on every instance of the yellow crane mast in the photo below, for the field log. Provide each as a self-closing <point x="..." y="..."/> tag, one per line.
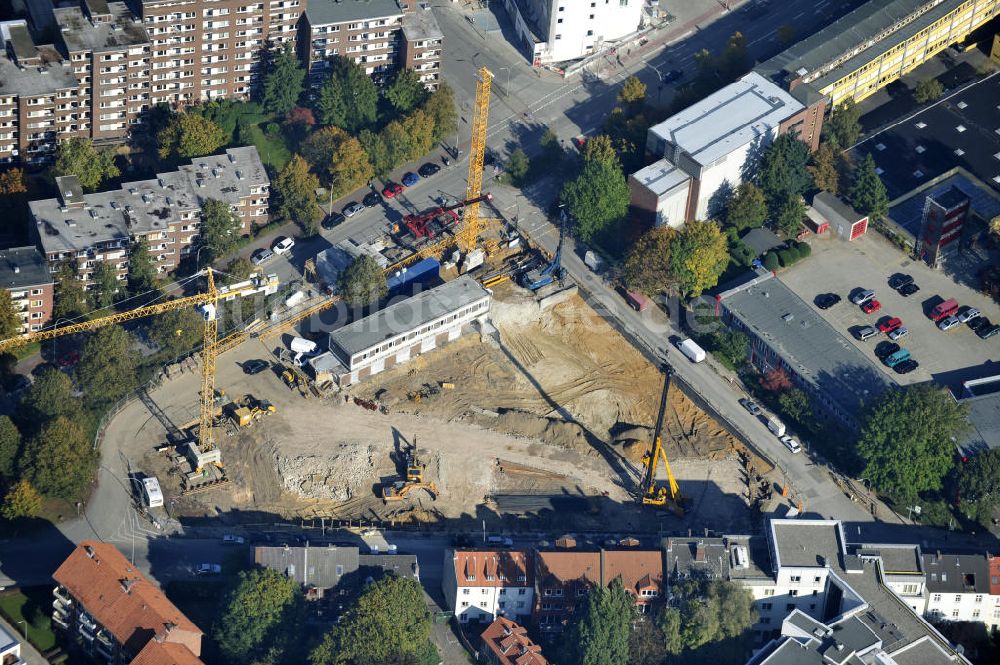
<point x="652" y="493"/>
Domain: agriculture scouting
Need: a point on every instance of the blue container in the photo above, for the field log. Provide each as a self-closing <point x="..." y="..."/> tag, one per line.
<point x="422" y="271"/>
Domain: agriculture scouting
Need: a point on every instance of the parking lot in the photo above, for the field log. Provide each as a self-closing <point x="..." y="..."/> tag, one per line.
<point x="843" y="268"/>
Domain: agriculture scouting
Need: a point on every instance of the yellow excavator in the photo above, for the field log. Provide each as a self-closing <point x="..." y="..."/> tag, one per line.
<point x="249" y="410"/>
<point x="654" y="494"/>
<point x="397" y="490"/>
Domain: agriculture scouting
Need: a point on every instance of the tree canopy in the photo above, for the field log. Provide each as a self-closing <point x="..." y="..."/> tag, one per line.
<point x="440" y="106"/>
<point x="906" y="440"/>
<point x="518" y="166"/>
<point x="406" y="91"/>
<point x="189" y="135"/>
<point x="60" y="460"/>
<point x="10" y="318"/>
<point x="22" y="500"/>
<point x="632" y="94"/>
<point x="49" y="397"/>
<point x="927" y="90"/>
<point x="12" y="182"/>
<point x="260" y="617"/>
<point x="699" y="256"/>
<point x="419" y="126"/>
<point x="747" y="209"/>
<point x="220" y="228"/>
<point x="843" y="128"/>
<point x="709" y="611"/>
<point x="107" y="367"/>
<point x="977" y="484"/>
<point x="71" y="298"/>
<point x="10" y="448"/>
<point x="823" y="168"/>
<point x="868" y="194"/>
<point x="600" y="149"/>
<point x="349" y="98"/>
<point x="339" y="157"/>
<point x="389" y="620"/>
<point x="599" y="631"/>
<point x="142" y="276"/>
<point x="647" y="264"/>
<point x="597" y="199"/>
<point x="176" y="332"/>
<point x="77" y="156"/>
<point x="378" y="152"/>
<point x="362" y="282"/>
<point x="788" y="217"/>
<point x="783" y="169"/>
<point x="283" y="81"/>
<point x="295" y="188"/>
<point x="106" y="284"/>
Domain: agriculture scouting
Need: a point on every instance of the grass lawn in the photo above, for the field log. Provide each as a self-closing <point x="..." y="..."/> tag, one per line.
<point x="275" y="149"/>
<point x="34" y="605"/>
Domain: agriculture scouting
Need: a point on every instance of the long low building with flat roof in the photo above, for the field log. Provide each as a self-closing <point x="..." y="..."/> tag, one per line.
<point x="785" y="332"/>
<point x="408" y="328"/>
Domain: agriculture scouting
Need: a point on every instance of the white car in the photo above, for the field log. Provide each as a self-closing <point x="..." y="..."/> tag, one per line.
<point x="282" y="245"/>
<point x="948" y="323"/>
<point x="791" y="444"/>
<point x="968" y="315"/>
<point x="235" y="540"/>
<point x="897" y="333"/>
<point x="209" y="569"/>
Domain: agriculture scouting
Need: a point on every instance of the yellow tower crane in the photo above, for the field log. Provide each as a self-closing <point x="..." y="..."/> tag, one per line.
<point x="653" y="494"/>
<point x="205" y="452"/>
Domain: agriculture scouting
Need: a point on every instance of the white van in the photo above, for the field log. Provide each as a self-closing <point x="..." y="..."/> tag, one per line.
<point x="152" y="496"/>
<point x="776" y="426"/>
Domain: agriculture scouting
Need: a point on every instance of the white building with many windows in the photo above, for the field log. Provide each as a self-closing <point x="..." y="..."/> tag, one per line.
<point x="481" y="585"/>
<point x="958" y="588"/>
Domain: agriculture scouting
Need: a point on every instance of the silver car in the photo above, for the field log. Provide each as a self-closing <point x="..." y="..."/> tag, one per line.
<point x="897" y="333"/>
<point x="352" y="208"/>
<point x="948" y="323"/>
<point x="261" y="256"/>
<point x="863" y="297"/>
<point x="866" y="332"/>
<point x="968" y="315"/>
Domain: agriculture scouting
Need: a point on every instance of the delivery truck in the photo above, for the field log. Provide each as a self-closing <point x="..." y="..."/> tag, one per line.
<point x="693" y="352"/>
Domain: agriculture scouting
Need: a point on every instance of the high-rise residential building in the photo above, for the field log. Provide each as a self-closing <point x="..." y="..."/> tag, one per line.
<point x="25" y="274"/>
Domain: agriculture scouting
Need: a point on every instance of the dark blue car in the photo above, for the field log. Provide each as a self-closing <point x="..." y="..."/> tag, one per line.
<point x="410" y="179"/>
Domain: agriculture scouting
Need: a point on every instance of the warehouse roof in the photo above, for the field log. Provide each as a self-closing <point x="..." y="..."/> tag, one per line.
<point x="806" y="342"/>
<point x="23" y="266"/>
<point x="744" y="111"/>
<point x="322" y="12"/>
<point x="407" y="315"/>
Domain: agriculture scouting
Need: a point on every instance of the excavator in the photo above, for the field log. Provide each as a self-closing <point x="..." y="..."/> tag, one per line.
<point x="421" y="224"/>
<point x="249" y="409"/>
<point x="397" y="490"/>
<point x="652" y="493"/>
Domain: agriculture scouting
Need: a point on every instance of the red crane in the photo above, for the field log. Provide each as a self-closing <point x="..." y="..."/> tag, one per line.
<point x="419" y="224"/>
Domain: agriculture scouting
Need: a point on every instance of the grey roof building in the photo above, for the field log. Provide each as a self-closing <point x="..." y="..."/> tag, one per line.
<point x="785" y="332"/>
<point x="323" y="568"/>
<point x="982" y="396"/>
<point x="322" y="12"/>
<point x="21" y="267"/>
<point x="957" y="573"/>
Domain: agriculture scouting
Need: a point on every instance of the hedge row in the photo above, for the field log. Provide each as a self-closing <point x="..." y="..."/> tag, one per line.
<point x="786" y="257"/>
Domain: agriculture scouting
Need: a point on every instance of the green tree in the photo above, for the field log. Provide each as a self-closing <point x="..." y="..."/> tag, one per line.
<point x="731" y="345"/>
<point x="283" y="82"/>
<point x="49" y="397"/>
<point x="420" y="128"/>
<point x="106" y="284"/>
<point x="733" y="62"/>
<point x="789" y="215"/>
<point x="977" y="484"/>
<point x="10" y="448"/>
<point x="632" y="95"/>
<point x="928" y="90"/>
<point x="220" y="228"/>
<point x="296" y="187"/>
<point x="518" y="166"/>
<point x="77" y="156"/>
<point x="22" y="500"/>
<point x="10" y="319"/>
<point x="709" y="611"/>
<point x="670" y="623"/>
<point x="389" y="620"/>
<point x="795" y="404"/>
<point x="868" y="194"/>
<point x="142" y="275"/>
<point x="189" y="135"/>
<point x="646" y="645"/>
<point x="440" y="106"/>
<point x="238" y="270"/>
<point x="12" y="182"/>
<point x="60" y="460"/>
<point x="362" y="282"/>
<point x="71" y="299"/>
<point x="843" y="128"/>
<point x="647" y="264"/>
<point x="406" y="91"/>
<point x="906" y="440"/>
<point x="349" y="99"/>
<point x="600" y="149"/>
<point x="823" y="168"/>
<point x="377" y="151"/>
<point x="747" y="209"/>
<point x="599" y="631"/>
<point x="259" y="617"/>
<point x="597" y="199"/>
<point x="349" y="167"/>
<point x="176" y="332"/>
<point x="398" y="146"/>
<point x="783" y="169"/>
<point x="776" y="380"/>
<point x="550" y="143"/>
<point x="107" y="368"/>
<point x="700" y="254"/>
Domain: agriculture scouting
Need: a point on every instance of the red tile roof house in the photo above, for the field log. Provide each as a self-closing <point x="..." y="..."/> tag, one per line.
<point x="563" y="578"/>
<point x="480" y="585"/>
<point x="118" y="616"/>
<point x="507" y="643"/>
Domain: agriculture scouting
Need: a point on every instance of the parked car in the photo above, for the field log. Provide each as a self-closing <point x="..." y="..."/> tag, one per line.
<point x="391" y="189"/>
<point x="372" y="199"/>
<point x="908" y="290"/>
<point x="261" y="256"/>
<point x="968" y="314"/>
<point x="890" y="325"/>
<point x="256" y="366"/>
<point x="209" y="569"/>
<point x="333" y="220"/>
<point x="977" y="323"/>
<point x="988" y="330"/>
<point x="791" y="444"/>
<point x="428" y="169"/>
<point x="862" y="297"/>
<point x="899" y="280"/>
<point x="352" y="208"/>
<point x="871" y="306"/>
<point x="282" y="245"/>
<point x="827" y="300"/>
<point x="750" y="406"/>
<point x="70" y="359"/>
<point x="673" y="75"/>
<point x="865" y="333"/>
<point x="906" y="366"/>
<point x="230" y="539"/>
<point x="898" y="333"/>
<point x="410" y="179"/>
<point x="885" y="349"/>
<point x="948" y="322"/>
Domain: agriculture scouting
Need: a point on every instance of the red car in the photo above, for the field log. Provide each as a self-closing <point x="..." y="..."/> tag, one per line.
<point x="391" y="189"/>
<point x="890" y="325"/>
<point x="70" y="359"/>
<point x="871" y="306"/>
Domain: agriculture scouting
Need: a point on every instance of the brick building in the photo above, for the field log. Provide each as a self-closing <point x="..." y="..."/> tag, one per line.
<point x="111" y="611"/>
<point x="25" y="275"/>
<point x="87" y="228"/>
<point x="507" y="643"/>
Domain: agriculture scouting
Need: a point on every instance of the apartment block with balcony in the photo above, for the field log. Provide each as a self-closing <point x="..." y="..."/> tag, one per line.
<point x="89" y="228"/>
<point x="25" y="275"/>
<point x="423" y="44"/>
<point x="111" y="611"/>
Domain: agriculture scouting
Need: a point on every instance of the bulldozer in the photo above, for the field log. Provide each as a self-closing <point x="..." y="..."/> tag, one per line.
<point x="414" y="480"/>
<point x="248" y="410"/>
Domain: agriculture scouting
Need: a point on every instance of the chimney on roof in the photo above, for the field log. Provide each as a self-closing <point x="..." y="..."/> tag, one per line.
<point x="939" y="555"/>
<point x="127" y="585"/>
<point x="232" y="158"/>
<point x="699" y="551"/>
<point x="16" y="268"/>
<point x="89" y="550"/>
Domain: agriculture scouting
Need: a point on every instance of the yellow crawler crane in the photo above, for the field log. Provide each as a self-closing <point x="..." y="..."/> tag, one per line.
<point x="652" y="493"/>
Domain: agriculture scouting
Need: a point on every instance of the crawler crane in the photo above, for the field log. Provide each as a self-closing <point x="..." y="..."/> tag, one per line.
<point x="652" y="493"/>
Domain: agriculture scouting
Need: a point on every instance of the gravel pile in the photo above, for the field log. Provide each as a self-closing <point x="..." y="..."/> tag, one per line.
<point x="339" y="476"/>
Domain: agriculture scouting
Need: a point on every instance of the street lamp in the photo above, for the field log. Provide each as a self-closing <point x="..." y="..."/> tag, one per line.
<point x="659" y="77"/>
<point x="25" y="629"/>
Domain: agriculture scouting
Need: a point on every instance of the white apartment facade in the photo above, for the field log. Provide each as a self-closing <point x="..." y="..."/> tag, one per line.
<point x="481" y="585"/>
<point x="958" y="589"/>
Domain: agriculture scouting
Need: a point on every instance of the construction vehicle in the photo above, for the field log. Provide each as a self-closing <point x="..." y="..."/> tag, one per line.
<point x="535" y="278"/>
<point x="203" y="450"/>
<point x="652" y="493"/>
<point x="397" y="490"/>
<point x="248" y="410"/>
<point x="421" y="225"/>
